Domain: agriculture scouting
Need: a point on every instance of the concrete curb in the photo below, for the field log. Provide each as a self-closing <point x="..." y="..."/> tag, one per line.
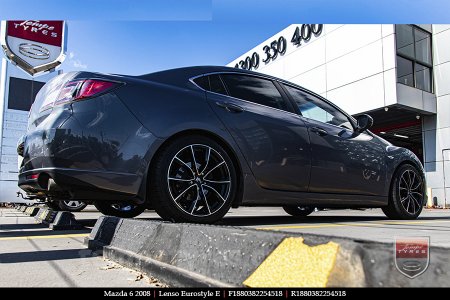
<point x="163" y="271"/>
<point x="193" y="255"/>
<point x="56" y="220"/>
<point x="31" y="211"/>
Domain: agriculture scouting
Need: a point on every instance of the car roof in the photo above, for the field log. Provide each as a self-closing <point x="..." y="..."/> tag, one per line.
<point x="179" y="76"/>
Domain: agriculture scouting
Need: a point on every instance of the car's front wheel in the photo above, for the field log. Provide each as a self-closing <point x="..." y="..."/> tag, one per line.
<point x="119" y="209"/>
<point x="298" y="211"/>
<point x="193" y="180"/>
<point x="406" y="195"/>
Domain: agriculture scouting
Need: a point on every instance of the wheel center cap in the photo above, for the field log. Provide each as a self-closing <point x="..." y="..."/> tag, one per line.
<point x="198" y="180"/>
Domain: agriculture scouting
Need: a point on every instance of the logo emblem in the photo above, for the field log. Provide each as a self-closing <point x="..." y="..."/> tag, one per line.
<point x="34" y="51"/>
<point x="34" y="46"/>
<point x="412" y="255"/>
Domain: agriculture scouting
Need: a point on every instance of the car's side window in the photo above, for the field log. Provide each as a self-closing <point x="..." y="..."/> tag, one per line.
<point x="211" y="83"/>
<point x="254" y="89"/>
<point x="216" y="84"/>
<point x="202" y="82"/>
<point x="313" y="108"/>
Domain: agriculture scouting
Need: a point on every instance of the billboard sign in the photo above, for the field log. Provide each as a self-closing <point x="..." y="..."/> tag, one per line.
<point x="35" y="46"/>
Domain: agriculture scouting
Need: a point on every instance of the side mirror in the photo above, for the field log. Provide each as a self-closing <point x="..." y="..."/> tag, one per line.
<point x="363" y="122"/>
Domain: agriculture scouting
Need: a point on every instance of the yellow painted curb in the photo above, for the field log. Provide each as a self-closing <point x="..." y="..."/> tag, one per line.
<point x="294" y="264"/>
<point x="39" y="237"/>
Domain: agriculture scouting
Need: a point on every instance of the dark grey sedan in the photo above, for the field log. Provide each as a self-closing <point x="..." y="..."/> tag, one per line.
<point x="193" y="142"/>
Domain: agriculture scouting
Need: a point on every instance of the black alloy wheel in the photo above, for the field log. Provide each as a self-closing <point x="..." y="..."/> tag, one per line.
<point x="299" y="211"/>
<point x="407" y="194"/>
<point x="119" y="209"/>
<point x="72" y="205"/>
<point x="199" y="183"/>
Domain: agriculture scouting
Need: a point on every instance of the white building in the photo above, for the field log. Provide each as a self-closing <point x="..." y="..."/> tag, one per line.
<point x="399" y="74"/>
<point x="17" y="91"/>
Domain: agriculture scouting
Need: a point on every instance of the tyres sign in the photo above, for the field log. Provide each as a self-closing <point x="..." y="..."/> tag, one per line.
<point x="34" y="46"/>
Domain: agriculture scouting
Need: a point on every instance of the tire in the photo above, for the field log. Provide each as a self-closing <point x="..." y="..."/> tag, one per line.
<point x="184" y="191"/>
<point x="406" y="195"/>
<point x="299" y="211"/>
<point x="53" y="205"/>
<point x="72" y="205"/>
<point x="119" y="209"/>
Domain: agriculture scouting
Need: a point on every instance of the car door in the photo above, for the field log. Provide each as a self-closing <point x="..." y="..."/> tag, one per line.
<point x="272" y="138"/>
<point x="343" y="160"/>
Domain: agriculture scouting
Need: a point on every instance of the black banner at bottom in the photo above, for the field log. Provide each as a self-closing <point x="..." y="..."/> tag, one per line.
<point x="213" y="293"/>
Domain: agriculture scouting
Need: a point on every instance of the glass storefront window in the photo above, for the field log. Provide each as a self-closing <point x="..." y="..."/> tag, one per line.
<point x="423" y="78"/>
<point x="423" y="46"/>
<point x="414" y="57"/>
<point x="405" y="73"/>
<point x="405" y="40"/>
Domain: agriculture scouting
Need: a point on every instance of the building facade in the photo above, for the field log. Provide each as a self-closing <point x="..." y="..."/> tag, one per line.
<point x="399" y="74"/>
<point x="17" y="92"/>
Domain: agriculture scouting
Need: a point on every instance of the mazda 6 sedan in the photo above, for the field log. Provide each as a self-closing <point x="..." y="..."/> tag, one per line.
<point x="193" y="142"/>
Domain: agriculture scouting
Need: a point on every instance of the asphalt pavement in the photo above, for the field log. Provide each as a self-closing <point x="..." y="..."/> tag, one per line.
<point x="31" y="255"/>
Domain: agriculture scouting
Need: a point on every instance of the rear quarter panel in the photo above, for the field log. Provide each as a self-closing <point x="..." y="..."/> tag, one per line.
<point x="166" y="110"/>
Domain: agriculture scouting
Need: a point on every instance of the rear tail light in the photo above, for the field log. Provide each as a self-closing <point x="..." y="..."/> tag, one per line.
<point x="82" y="89"/>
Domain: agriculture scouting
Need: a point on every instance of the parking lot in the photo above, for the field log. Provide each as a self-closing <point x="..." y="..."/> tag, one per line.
<point x="33" y="255"/>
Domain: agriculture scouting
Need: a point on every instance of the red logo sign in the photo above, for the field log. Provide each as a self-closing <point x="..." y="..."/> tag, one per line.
<point x="412" y="255"/>
<point x="47" y="32"/>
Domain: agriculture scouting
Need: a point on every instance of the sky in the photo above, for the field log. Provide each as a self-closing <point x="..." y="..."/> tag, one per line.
<point x="142" y="36"/>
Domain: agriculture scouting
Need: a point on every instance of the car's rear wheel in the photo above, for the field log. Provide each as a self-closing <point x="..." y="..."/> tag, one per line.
<point x="406" y="195"/>
<point x="119" y="209"/>
<point x="298" y="211"/>
<point x="72" y="205"/>
<point x="193" y="180"/>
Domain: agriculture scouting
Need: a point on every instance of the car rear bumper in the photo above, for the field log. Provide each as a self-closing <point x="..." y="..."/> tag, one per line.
<point x="79" y="184"/>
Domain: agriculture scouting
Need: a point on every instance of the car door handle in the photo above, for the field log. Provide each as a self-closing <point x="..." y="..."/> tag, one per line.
<point x="230" y="107"/>
<point x="319" y="131"/>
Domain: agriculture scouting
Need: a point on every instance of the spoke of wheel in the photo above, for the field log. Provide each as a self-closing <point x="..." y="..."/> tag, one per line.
<point x="414" y="198"/>
<point x="214" y="190"/>
<point x="409" y="177"/>
<point x="413" y="180"/>
<point x="409" y="202"/>
<point x="217" y="181"/>
<point x="182" y="193"/>
<point x="417" y="186"/>
<point x="193" y="157"/>
<point x="402" y="188"/>
<point x="203" y="196"/>
<point x="186" y="165"/>
<point x="403" y="199"/>
<point x="207" y="160"/>
<point x="417" y="193"/>
<point x="209" y="172"/>
<point x="194" y="203"/>
<point x="180" y="179"/>
<point x="404" y="180"/>
<point x="413" y="205"/>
